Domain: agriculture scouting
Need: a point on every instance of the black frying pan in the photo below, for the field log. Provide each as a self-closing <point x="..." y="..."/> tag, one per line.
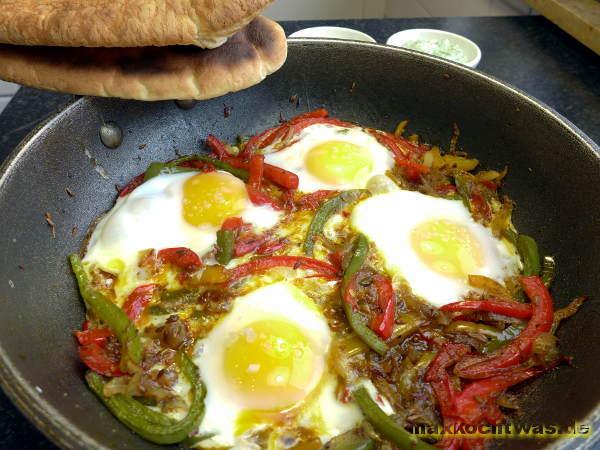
<point x="554" y="174"/>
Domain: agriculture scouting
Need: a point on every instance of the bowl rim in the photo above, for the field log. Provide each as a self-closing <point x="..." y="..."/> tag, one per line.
<point x="59" y="430"/>
<point x="366" y="37"/>
<point x="464" y="41"/>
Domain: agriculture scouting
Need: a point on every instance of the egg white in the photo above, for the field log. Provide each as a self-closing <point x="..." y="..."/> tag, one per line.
<point x="152" y="217"/>
<point x="293" y="158"/>
<point x="388" y="220"/>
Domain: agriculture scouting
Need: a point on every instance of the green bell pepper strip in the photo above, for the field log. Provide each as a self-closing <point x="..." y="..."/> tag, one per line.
<point x="548" y="270"/>
<point x="528" y="250"/>
<point x="328" y="209"/>
<point x="505" y="336"/>
<point x="193" y="441"/>
<point x="109" y="313"/>
<point x="369" y="337"/>
<point x="149" y="424"/>
<point x="242" y="174"/>
<point x="225" y="244"/>
<point x="357" y="324"/>
<point x="359" y="255"/>
<point x="156" y="168"/>
<point x="462" y="189"/>
<point x="137" y="410"/>
<point x="384" y="424"/>
<point x="350" y="440"/>
<point x="511" y="236"/>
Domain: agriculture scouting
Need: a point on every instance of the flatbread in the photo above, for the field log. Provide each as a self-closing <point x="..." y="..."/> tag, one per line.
<point x="124" y="23"/>
<point x="151" y="73"/>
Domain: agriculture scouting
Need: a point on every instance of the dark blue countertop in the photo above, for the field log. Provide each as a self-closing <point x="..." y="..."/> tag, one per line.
<point x="528" y="52"/>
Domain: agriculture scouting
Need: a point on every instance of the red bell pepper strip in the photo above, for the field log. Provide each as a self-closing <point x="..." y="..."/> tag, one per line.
<point x="450" y="442"/>
<point x="286" y="131"/>
<point x="279" y="134"/>
<point x="130" y="187"/>
<point x="288" y="200"/>
<point x="481" y="205"/>
<point x="92" y="351"/>
<point x="437" y="375"/>
<point x="444" y="393"/>
<point x="489" y="184"/>
<point x="93" y="335"/>
<point x="281" y="177"/>
<point x="300" y="125"/>
<point x="509" y="308"/>
<point x="294" y="126"/>
<point x="316" y="113"/>
<point x="226" y="238"/>
<point x="283" y="134"/>
<point x="255" y="167"/>
<point x="349" y="289"/>
<point x="270" y="135"/>
<point x="401" y="158"/>
<point x="259" y="244"/>
<point x="471" y="403"/>
<point x="391" y="141"/>
<point x="448" y="355"/>
<point x="491" y="411"/>
<point x="519" y="349"/>
<point x="277" y="175"/>
<point x="138" y="299"/>
<point x="232" y="223"/>
<point x="181" y="257"/>
<point x="258" y="197"/>
<point x="257" y="142"/>
<point x="97" y="359"/>
<point x="411" y="173"/>
<point x="250" y="242"/>
<point x="268" y="247"/>
<point x="257" y="265"/>
<point x="217" y="147"/>
<point x="408" y="147"/>
<point x="314" y="199"/>
<point x="336" y="258"/>
<point x="383" y="324"/>
<point x="247" y="244"/>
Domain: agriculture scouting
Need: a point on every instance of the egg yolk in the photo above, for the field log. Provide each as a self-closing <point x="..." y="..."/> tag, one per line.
<point x="210" y="198"/>
<point x="448" y="248"/>
<point x="337" y="162"/>
<point x="270" y="365"/>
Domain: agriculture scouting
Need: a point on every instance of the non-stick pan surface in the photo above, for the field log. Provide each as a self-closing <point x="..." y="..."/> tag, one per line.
<point x="554" y="174"/>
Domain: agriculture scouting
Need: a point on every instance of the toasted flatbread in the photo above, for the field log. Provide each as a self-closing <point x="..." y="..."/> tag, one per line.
<point x="151" y="73"/>
<point x="124" y="23"/>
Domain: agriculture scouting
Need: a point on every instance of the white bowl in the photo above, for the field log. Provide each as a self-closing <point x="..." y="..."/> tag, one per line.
<point x="470" y="49"/>
<point x="333" y="32"/>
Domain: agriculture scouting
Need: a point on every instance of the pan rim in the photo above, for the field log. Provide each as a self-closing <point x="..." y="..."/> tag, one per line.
<point x="57" y="427"/>
<point x="574" y="130"/>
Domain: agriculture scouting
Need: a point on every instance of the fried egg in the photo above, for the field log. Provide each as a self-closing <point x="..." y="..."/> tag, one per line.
<point x="432" y="243"/>
<point x="333" y="157"/>
<point x="266" y="364"/>
<point x="172" y="210"/>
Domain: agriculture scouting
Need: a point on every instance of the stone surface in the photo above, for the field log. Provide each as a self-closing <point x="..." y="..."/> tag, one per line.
<point x="529" y="52"/>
